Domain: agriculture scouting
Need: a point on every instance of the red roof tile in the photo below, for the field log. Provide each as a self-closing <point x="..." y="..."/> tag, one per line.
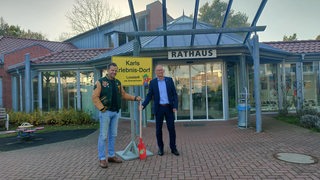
<point x="70" y="56"/>
<point x="10" y="44"/>
<point x="306" y="46"/>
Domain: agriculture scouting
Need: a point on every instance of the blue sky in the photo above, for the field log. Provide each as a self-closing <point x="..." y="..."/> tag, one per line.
<point x="282" y="17"/>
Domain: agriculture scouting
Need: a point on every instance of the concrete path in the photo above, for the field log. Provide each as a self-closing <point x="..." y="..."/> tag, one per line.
<point x="208" y="150"/>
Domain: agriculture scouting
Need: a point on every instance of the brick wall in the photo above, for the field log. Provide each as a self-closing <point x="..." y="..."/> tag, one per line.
<point x="16" y="57"/>
<point x="154" y="18"/>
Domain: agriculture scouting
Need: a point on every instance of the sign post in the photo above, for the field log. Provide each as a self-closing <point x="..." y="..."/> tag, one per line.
<point x="133" y="71"/>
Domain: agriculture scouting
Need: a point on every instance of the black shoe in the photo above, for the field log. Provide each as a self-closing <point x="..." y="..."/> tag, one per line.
<point x="160" y="152"/>
<point x="175" y="152"/>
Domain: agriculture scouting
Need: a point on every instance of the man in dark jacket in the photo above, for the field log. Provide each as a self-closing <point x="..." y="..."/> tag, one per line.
<point x="163" y="92"/>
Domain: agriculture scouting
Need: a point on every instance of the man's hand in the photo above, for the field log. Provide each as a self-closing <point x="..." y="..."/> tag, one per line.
<point x="103" y="109"/>
<point x="141" y="108"/>
<point x="137" y="98"/>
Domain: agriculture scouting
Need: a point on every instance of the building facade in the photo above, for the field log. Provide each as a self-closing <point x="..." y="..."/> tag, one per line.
<point x="212" y="76"/>
<point x="48" y="75"/>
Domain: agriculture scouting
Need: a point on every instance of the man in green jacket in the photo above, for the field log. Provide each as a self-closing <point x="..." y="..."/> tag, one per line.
<point x="107" y="95"/>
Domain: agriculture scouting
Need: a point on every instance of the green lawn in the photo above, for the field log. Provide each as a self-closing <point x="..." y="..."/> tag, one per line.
<point x="294" y="119"/>
<point x="291" y="119"/>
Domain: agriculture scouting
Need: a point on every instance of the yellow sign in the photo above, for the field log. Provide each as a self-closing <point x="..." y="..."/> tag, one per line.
<point x="133" y="71"/>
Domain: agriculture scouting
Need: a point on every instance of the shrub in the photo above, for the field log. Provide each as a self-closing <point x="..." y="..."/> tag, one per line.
<point x="309" y="121"/>
<point x="317" y="125"/>
<point x="62" y="117"/>
<point x="71" y="117"/>
<point x="308" y="111"/>
<point x="84" y="118"/>
<point x="51" y="117"/>
<point x="20" y="117"/>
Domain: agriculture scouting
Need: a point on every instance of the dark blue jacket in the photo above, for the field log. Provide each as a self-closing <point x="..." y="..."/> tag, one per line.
<point x="154" y="93"/>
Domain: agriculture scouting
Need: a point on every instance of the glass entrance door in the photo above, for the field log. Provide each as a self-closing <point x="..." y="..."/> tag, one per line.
<point x="214" y="90"/>
<point x="199" y="92"/>
<point x="199" y="89"/>
<point x="181" y="78"/>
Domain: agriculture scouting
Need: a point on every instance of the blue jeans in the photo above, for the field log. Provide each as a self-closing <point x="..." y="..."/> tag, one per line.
<point x="108" y="129"/>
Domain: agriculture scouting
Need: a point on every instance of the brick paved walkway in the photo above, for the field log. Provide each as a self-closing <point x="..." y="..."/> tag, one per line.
<point x="208" y="150"/>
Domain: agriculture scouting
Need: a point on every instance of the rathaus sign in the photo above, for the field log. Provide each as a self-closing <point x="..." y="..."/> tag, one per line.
<point x="191" y="54"/>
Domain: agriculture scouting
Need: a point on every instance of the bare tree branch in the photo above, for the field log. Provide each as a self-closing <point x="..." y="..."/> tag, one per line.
<point x="89" y="14"/>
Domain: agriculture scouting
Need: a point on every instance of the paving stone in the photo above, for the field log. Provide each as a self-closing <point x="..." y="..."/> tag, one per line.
<point x="212" y="150"/>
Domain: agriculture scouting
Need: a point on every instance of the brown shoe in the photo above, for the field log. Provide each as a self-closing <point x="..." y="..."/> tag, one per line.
<point x="103" y="163"/>
<point x="114" y="160"/>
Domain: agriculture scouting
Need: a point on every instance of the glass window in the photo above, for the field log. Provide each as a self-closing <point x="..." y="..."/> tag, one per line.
<point x="111" y="40"/>
<point x="69" y="89"/>
<point x="311" y="84"/>
<point x="122" y="39"/>
<point x="214" y="88"/>
<point x="116" y="39"/>
<point x="181" y="78"/>
<point x="86" y="90"/>
<point x="142" y="23"/>
<point x="269" y="87"/>
<point x="199" y="89"/>
<point x="49" y="91"/>
<point x="308" y="67"/>
<point x="232" y="90"/>
<point x="290" y="86"/>
<point x="19" y="94"/>
<point x="130" y="38"/>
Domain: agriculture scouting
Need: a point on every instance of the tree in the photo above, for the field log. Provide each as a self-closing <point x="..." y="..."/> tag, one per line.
<point x="3" y="26"/>
<point x="16" y="31"/>
<point x="214" y="13"/>
<point x="89" y="14"/>
<point x="318" y="37"/>
<point x="290" y="38"/>
<point x="63" y="36"/>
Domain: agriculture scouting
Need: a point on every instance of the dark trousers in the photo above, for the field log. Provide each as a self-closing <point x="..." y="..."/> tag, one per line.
<point x="165" y="112"/>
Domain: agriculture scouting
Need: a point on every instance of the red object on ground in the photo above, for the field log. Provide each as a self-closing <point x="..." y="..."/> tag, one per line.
<point x="142" y="149"/>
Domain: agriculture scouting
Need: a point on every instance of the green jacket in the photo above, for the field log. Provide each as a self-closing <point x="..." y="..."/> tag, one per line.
<point x="102" y="91"/>
<point x="106" y="92"/>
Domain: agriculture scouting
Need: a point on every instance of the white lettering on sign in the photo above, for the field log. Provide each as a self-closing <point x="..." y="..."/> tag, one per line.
<point x="190" y="54"/>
